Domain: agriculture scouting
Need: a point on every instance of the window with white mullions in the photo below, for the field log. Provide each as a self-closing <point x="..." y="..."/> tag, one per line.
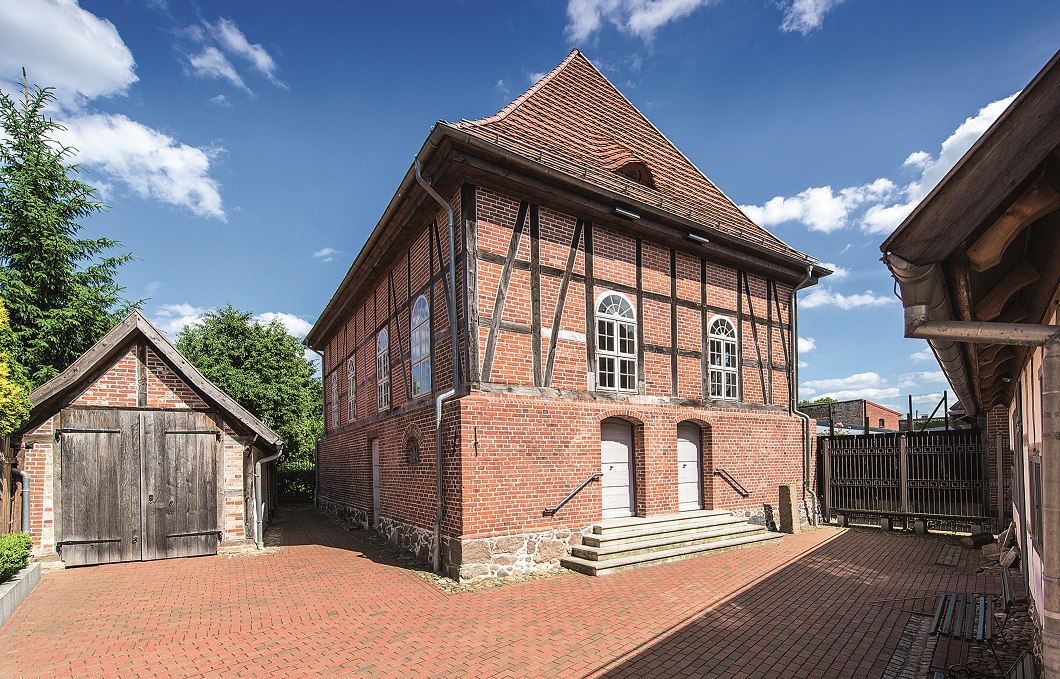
<point x="616" y="344"/>
<point x="351" y="388"/>
<point x="421" y="347"/>
<point x="382" y="370"/>
<point x="723" y="358"/>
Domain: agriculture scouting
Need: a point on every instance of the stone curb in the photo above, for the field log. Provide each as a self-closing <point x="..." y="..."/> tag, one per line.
<point x="15" y="590"/>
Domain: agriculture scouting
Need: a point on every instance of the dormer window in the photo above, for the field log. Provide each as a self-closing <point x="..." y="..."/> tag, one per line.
<point x="638" y="172"/>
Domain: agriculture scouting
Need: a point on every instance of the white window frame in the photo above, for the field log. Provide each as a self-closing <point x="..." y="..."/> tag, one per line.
<point x="420" y="334"/>
<point x="382" y="370"/>
<point x="333" y="398"/>
<point x="351" y="388"/>
<point x="616" y="350"/>
<point x="717" y="363"/>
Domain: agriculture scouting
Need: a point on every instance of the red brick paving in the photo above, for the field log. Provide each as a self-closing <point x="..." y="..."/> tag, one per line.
<point x="329" y="604"/>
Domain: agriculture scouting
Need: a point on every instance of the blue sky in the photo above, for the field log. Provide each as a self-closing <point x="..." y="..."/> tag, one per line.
<point x="246" y="149"/>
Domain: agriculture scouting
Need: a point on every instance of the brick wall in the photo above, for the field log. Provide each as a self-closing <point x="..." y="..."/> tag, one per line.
<point x="516" y="453"/>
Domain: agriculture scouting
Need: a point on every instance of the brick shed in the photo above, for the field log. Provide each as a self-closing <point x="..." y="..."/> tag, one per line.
<point x="622" y="330"/>
<point x="134" y="455"/>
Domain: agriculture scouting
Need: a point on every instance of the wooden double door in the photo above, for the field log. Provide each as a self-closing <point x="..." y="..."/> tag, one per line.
<point x="137" y="485"/>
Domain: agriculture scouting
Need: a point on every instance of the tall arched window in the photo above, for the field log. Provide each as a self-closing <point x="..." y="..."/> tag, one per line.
<point x="351" y="388"/>
<point x="382" y="370"/>
<point x="421" y="347"/>
<point x="616" y="344"/>
<point x="724" y="368"/>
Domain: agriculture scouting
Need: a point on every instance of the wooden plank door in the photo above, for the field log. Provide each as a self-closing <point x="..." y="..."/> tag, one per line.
<point x="689" y="468"/>
<point x="616" y="463"/>
<point x="181" y="454"/>
<point x="99" y="501"/>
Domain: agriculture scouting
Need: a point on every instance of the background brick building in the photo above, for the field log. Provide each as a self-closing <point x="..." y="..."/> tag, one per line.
<point x="608" y="298"/>
<point x="854" y="414"/>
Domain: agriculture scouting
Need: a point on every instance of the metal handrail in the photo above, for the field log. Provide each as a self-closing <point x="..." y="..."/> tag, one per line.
<point x="552" y="511"/>
<point x="731" y="480"/>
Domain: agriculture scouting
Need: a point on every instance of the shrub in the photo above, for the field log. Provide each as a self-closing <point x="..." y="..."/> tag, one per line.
<point x="14" y="553"/>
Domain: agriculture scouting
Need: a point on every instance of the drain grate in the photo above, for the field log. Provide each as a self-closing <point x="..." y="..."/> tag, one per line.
<point x="912" y="658"/>
<point x="949" y="556"/>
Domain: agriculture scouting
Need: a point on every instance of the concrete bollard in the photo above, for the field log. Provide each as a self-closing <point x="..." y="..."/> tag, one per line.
<point x="886" y="523"/>
<point x="920" y="527"/>
<point x="789" y="511"/>
<point x="841" y="520"/>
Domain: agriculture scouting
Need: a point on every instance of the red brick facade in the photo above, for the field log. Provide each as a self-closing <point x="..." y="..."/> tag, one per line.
<point x="525" y="428"/>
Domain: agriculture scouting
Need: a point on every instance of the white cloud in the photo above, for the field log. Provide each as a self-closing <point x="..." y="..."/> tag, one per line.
<point x="807" y="344"/>
<point x="296" y="326"/>
<point x="924" y="354"/>
<point x="212" y="63"/>
<point x="820" y="208"/>
<point x="172" y="318"/>
<point x="235" y="42"/>
<point x="152" y="164"/>
<point x="639" y="17"/>
<point x="838" y="272"/>
<point x="868" y="385"/>
<point x="325" y="255"/>
<point x="915" y="378"/>
<point x="805" y="16"/>
<point x="820" y="296"/>
<point x="535" y="76"/>
<point x="878" y="207"/>
<point x="221" y="100"/>
<point x="78" y="53"/>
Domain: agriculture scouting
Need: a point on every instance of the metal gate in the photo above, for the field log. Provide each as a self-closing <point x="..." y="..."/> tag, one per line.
<point x="942" y="476"/>
<point x="137" y="485"/>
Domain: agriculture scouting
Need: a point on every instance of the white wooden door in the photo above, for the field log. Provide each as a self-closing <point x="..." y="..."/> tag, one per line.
<point x="377" y="503"/>
<point x="616" y="458"/>
<point x="689" y="468"/>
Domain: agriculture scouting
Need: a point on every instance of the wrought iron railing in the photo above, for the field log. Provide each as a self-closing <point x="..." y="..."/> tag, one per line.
<point x="551" y="511"/>
<point x="731" y="480"/>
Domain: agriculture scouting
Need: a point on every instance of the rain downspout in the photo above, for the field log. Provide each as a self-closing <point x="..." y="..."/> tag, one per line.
<point x="793" y="409"/>
<point x="450" y="307"/>
<point x="316" y="444"/>
<point x="259" y="499"/>
<point x="26" y="478"/>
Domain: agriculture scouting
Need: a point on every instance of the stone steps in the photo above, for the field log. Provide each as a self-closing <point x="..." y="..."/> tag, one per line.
<point x="619" y="544"/>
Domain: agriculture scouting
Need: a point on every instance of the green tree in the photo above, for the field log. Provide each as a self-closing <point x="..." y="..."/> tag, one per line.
<point x="823" y="399"/>
<point x="264" y="368"/>
<point x="14" y="386"/>
<point x="59" y="289"/>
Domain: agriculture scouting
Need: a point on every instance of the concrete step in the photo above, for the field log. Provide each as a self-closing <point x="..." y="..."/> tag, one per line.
<point x="663" y="542"/>
<point x="608" y="566"/>
<point x="637" y="533"/>
<point x="610" y="526"/>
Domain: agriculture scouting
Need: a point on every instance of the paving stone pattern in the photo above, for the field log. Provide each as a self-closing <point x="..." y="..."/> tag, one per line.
<point x="330" y="603"/>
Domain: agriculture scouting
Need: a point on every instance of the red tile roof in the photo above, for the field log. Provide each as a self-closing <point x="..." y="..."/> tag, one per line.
<point x="576" y="122"/>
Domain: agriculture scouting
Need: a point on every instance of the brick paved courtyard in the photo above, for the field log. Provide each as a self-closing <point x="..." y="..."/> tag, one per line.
<point x="328" y="603"/>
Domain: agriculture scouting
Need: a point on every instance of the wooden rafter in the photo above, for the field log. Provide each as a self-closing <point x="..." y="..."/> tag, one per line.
<point x="994" y="301"/>
<point x="1038" y="201"/>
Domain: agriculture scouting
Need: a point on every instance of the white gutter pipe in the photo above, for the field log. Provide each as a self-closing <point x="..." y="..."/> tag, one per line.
<point x="450" y="306"/>
<point x="793" y="403"/>
<point x="259" y="498"/>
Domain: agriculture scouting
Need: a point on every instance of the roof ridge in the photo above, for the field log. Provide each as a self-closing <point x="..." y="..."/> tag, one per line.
<point x="518" y="101"/>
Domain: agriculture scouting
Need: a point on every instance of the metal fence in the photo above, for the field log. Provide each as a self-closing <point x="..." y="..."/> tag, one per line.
<point x="936" y="476"/>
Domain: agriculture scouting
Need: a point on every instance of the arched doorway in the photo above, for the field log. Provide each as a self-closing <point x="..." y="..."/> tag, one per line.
<point x="616" y="464"/>
<point x="689" y="467"/>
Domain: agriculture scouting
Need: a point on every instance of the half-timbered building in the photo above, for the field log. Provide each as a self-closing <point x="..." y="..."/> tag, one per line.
<point x="588" y="329"/>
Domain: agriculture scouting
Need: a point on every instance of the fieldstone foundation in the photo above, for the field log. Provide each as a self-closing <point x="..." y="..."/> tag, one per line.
<point x="354" y="517"/>
<point x="414" y="540"/>
<point x="511" y="555"/>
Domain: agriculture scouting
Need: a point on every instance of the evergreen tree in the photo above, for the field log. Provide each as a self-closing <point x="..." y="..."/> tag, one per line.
<point x="59" y="289"/>
<point x="264" y="368"/>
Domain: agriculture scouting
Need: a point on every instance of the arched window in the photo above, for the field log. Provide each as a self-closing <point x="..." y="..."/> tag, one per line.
<point x="382" y="371"/>
<point x="421" y="347"/>
<point x="351" y="388"/>
<point x="724" y="368"/>
<point x="616" y="344"/>
<point x="333" y="406"/>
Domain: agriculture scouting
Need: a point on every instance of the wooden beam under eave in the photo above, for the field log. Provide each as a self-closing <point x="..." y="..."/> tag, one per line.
<point x="1036" y="202"/>
<point x="994" y="302"/>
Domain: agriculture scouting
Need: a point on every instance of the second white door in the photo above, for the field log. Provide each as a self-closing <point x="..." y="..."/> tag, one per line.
<point x="689" y="466"/>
